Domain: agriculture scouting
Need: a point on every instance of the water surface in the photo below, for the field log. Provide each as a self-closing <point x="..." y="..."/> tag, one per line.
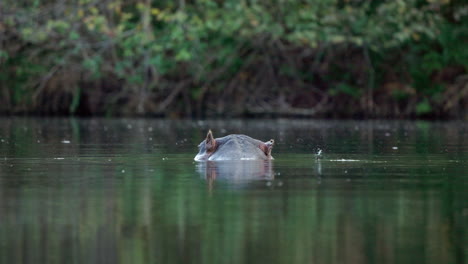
<point x="128" y="191"/>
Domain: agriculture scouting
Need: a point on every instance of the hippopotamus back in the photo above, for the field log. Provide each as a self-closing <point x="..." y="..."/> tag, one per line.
<point x="234" y="147"/>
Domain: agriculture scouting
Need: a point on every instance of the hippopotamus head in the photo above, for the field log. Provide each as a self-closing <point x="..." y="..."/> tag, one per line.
<point x="234" y="147"/>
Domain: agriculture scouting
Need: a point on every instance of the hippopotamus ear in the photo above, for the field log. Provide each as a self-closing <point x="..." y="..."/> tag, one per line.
<point x="210" y="141"/>
<point x="266" y="147"/>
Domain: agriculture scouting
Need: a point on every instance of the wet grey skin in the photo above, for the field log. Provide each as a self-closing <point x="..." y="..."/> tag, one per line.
<point x="234" y="147"/>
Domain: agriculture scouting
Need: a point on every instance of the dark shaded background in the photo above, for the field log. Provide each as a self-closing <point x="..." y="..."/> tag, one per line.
<point x="328" y="58"/>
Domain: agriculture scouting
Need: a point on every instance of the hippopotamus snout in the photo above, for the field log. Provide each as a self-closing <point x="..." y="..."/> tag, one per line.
<point x="234" y="147"/>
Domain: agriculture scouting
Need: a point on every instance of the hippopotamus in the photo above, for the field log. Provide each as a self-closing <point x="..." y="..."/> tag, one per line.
<point x="234" y="147"/>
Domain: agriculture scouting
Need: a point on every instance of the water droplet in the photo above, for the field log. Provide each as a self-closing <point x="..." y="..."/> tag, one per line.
<point x="319" y="154"/>
<point x="123" y="171"/>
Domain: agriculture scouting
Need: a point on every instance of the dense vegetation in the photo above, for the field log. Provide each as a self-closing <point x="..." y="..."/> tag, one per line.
<point x="338" y="58"/>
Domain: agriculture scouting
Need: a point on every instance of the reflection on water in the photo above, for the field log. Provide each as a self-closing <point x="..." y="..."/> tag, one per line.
<point x="128" y="191"/>
<point x="232" y="170"/>
<point x="239" y="173"/>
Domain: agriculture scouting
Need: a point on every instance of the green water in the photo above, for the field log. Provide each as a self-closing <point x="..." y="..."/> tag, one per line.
<point x="128" y="191"/>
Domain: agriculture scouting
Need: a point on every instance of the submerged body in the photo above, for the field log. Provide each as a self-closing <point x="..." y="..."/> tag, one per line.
<point x="234" y="147"/>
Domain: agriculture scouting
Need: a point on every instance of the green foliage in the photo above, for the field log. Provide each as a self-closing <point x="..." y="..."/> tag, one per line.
<point x="423" y="107"/>
<point x="93" y="65"/>
<point x="427" y="58"/>
<point x="147" y="46"/>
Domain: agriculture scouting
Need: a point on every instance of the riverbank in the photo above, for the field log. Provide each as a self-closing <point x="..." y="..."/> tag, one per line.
<point x="334" y="59"/>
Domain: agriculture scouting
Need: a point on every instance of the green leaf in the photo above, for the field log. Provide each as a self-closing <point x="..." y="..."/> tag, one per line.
<point x="423" y="107"/>
<point x="74" y="35"/>
<point x="183" y="55"/>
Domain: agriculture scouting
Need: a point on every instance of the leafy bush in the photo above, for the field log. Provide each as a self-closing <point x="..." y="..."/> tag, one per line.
<point x="204" y="57"/>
